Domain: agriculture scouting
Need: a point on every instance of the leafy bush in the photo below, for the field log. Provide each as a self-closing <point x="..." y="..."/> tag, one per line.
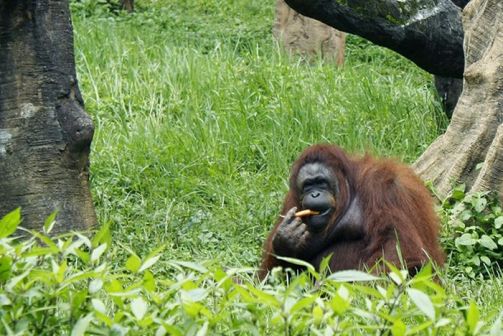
<point x="69" y="285"/>
<point x="474" y="235"/>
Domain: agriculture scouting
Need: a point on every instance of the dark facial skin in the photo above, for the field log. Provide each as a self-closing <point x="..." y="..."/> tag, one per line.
<point x="318" y="187"/>
<point x="302" y="238"/>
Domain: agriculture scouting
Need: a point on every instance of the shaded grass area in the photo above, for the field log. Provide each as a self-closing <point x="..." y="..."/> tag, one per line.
<point x="199" y="116"/>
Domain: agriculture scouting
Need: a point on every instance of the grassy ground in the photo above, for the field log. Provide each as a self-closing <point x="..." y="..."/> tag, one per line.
<point x="199" y="116"/>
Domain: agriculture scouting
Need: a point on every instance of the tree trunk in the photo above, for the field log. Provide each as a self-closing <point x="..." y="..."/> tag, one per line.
<point x="471" y="150"/>
<point x="45" y="135"/>
<point x="128" y="5"/>
<point x="307" y="37"/>
<point x="428" y="32"/>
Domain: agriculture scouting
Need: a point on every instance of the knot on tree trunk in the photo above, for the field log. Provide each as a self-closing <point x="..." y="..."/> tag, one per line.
<point x="76" y="126"/>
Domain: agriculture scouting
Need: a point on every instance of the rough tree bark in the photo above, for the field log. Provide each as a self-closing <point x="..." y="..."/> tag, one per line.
<point x="45" y="135"/>
<point x="471" y="150"/>
<point x="307" y="37"/>
<point x="428" y="32"/>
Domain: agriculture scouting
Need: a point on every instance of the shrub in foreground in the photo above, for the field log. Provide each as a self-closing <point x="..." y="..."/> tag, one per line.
<point x="68" y="285"/>
<point x="473" y="234"/>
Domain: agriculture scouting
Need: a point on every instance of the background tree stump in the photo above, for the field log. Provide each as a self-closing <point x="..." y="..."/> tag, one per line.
<point x="307" y="37"/>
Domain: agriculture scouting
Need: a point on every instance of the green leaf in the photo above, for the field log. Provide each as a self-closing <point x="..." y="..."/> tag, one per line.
<point x="317" y="314"/>
<point x="472" y="317"/>
<point x="398" y="276"/>
<point x="340" y="303"/>
<point x="97" y="252"/>
<point x="102" y="236"/>
<point x="422" y="301"/>
<point x="191" y="265"/>
<point x="497" y="327"/>
<point x="263" y="297"/>
<point x="5" y="268"/>
<point x="10" y="222"/>
<point x="148" y="263"/>
<point x="14" y="281"/>
<point x="464" y="217"/>
<point x="133" y="263"/>
<point x="78" y="298"/>
<point x="488" y="242"/>
<point x="118" y="330"/>
<point x="479" y="204"/>
<point x="302" y="303"/>
<point x="171" y="329"/>
<point x="48" y="241"/>
<point x="79" y="276"/>
<point x="193" y="295"/>
<point x="459" y="192"/>
<point x="417" y="329"/>
<point x="398" y="328"/>
<point x="95" y="285"/>
<point x="475" y="260"/>
<point x="81" y="326"/>
<point x="310" y="268"/>
<point x="84" y="256"/>
<point x="352" y="276"/>
<point x="204" y="330"/>
<point x="325" y="263"/>
<point x="149" y="281"/>
<point x="498" y="222"/>
<point x="425" y="273"/>
<point x="84" y="239"/>
<point x="442" y="323"/>
<point x="288" y="304"/>
<point x="99" y="306"/>
<point x="72" y="247"/>
<point x="466" y="240"/>
<point x="486" y="260"/>
<point x="4" y="300"/>
<point x="113" y="285"/>
<point x="60" y="273"/>
<point x="139" y="308"/>
<point x="49" y="222"/>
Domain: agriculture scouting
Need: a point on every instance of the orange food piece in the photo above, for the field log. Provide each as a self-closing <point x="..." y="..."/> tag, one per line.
<point x="307" y="212"/>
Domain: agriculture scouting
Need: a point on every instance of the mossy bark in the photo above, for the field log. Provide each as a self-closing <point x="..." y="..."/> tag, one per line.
<point x="428" y="32"/>
<point x="45" y="134"/>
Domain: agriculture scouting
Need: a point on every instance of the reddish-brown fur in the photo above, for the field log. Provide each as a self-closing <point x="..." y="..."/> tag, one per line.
<point x="394" y="207"/>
